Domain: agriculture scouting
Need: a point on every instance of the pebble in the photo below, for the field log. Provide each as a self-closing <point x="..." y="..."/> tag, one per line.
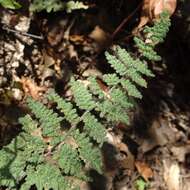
<point x="17" y="94"/>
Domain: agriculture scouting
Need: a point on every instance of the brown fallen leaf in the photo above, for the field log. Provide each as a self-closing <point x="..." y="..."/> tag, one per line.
<point x="152" y="9"/>
<point x="55" y="36"/>
<point x="172" y="175"/>
<point x="78" y="39"/>
<point x="159" y="134"/>
<point x="180" y="152"/>
<point x="144" y="170"/>
<point x="30" y="88"/>
<point x="126" y="160"/>
<point x="101" y="37"/>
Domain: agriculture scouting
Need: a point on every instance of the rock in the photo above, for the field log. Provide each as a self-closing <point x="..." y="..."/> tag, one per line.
<point x="17" y="94"/>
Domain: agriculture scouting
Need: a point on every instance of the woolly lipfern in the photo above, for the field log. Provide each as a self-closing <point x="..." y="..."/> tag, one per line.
<point x="56" y="5"/>
<point x="58" y="147"/>
<point x="31" y="159"/>
<point x="45" y="176"/>
<point x="154" y="35"/>
<point x="50" y="120"/>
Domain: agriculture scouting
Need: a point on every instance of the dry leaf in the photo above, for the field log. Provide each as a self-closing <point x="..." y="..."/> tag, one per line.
<point x="144" y="170"/>
<point x="172" y="175"/>
<point x="180" y="152"/>
<point x="55" y="36"/>
<point x="127" y="159"/>
<point x="159" y="134"/>
<point x="153" y="8"/>
<point x="31" y="88"/>
<point x="101" y="37"/>
<point x="78" y="39"/>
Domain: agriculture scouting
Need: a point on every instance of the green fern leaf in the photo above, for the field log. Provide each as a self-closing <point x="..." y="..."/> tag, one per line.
<point x="136" y="77"/>
<point x="10" y="4"/>
<point x="14" y="157"/>
<point x="29" y="125"/>
<point x="116" y="64"/>
<point x="129" y="61"/>
<point x="146" y="50"/>
<point x="45" y="176"/>
<point x="69" y="161"/>
<point x="131" y="88"/>
<point x="94" y="128"/>
<point x="91" y="155"/>
<point x="113" y="112"/>
<point x="119" y="98"/>
<point x="74" y="5"/>
<point x="65" y="107"/>
<point x="158" y="32"/>
<point x="12" y="167"/>
<point x="83" y="97"/>
<point x="111" y="79"/>
<point x="95" y="88"/>
<point x="50" y="121"/>
<point x="50" y="5"/>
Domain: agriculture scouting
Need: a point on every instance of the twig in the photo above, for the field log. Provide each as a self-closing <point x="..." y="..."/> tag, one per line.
<point x="22" y="33"/>
<point x="125" y="21"/>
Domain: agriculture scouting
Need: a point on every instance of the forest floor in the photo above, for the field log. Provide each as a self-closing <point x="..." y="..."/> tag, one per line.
<point x="155" y="149"/>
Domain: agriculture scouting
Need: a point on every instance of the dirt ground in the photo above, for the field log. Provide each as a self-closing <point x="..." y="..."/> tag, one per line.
<point x="155" y="148"/>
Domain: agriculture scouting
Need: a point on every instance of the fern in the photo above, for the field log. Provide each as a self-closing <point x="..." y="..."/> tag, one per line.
<point x="45" y="176"/>
<point x="69" y="161"/>
<point x="48" y="155"/>
<point x="65" y="107"/>
<point x="154" y="35"/>
<point x="56" y="5"/>
<point x="90" y="155"/>
<point x="83" y="97"/>
<point x="74" y="5"/>
<point x="50" y="120"/>
<point x="94" y="128"/>
<point x="10" y="4"/>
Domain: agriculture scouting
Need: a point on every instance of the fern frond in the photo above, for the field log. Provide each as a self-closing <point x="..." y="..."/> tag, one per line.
<point x="94" y="128"/>
<point x="56" y="5"/>
<point x="12" y="168"/>
<point x="158" y="32"/>
<point x="119" y="98"/>
<point x="10" y="4"/>
<point x="46" y="156"/>
<point x="48" y="118"/>
<point x="147" y="50"/>
<point x="29" y="125"/>
<point x="95" y="88"/>
<point x="111" y="79"/>
<point x="116" y="64"/>
<point x="14" y="157"/>
<point x="50" y="5"/>
<point x="129" y="61"/>
<point x="90" y="154"/>
<point x="45" y="176"/>
<point x="113" y="112"/>
<point x="136" y="77"/>
<point x="83" y="97"/>
<point x="75" y="5"/>
<point x="65" y="107"/>
<point x="69" y="161"/>
<point x="154" y="35"/>
<point x="131" y="88"/>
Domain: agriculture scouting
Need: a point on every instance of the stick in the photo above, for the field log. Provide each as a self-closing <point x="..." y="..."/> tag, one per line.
<point x="22" y="33"/>
<point x="125" y="21"/>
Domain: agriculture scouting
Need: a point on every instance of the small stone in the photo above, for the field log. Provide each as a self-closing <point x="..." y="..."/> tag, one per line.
<point x="3" y="81"/>
<point x="17" y="94"/>
<point x="15" y="64"/>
